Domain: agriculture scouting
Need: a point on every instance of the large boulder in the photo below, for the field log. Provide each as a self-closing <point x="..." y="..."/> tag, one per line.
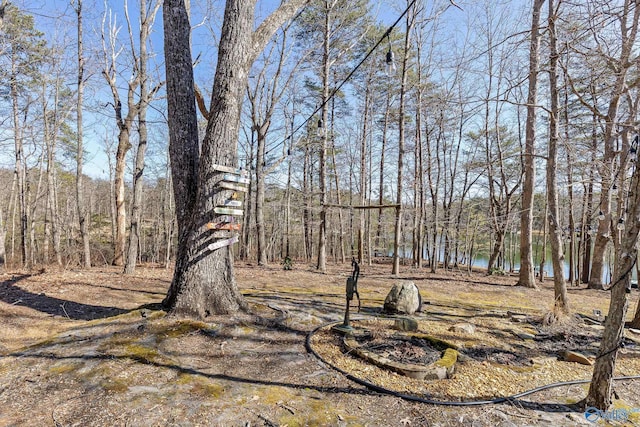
<point x="403" y="298"/>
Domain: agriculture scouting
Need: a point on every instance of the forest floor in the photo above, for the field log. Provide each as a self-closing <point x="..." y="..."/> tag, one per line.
<point x="91" y="347"/>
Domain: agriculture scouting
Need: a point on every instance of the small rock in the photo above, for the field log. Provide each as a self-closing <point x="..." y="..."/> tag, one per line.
<point x="542" y="360"/>
<point x="574" y="356"/>
<point x="524" y="335"/>
<point x="591" y="322"/>
<point x="518" y="318"/>
<point x="466" y="328"/>
<point x="406" y="324"/>
<point x="635" y="331"/>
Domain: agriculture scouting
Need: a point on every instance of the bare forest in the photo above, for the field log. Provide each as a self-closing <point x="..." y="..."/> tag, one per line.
<point x="432" y="136"/>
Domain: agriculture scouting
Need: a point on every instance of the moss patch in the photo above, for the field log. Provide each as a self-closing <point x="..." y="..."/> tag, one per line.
<point x="141" y="353"/>
<point x="115" y="385"/>
<point x="176" y="329"/>
<point x="448" y="359"/>
<point x="63" y="368"/>
<point x="201" y="386"/>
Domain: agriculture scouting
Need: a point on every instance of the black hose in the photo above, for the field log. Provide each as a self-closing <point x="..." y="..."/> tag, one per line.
<point x="413" y="398"/>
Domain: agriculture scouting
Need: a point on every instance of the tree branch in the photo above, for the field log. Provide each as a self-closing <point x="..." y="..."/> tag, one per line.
<point x="270" y="25"/>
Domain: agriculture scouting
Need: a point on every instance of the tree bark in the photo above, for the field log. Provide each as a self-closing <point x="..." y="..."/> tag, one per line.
<point x="623" y="64"/>
<point x="527" y="271"/>
<point x="626" y="256"/>
<point x="83" y="218"/>
<point x="3" y="237"/>
<point x="259" y="203"/>
<point x="19" y="171"/>
<point x="363" y="167"/>
<point x="326" y="69"/>
<point x="401" y="131"/>
<point x="204" y="281"/>
<point x="561" y="306"/>
<point x="147" y="17"/>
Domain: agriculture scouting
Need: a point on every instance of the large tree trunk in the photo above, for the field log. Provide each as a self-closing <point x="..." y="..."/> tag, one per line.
<point x="626" y="256"/>
<point x="204" y="280"/>
<point x="527" y="274"/>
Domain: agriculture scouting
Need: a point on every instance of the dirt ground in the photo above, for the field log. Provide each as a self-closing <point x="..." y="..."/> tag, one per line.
<point x="92" y="348"/>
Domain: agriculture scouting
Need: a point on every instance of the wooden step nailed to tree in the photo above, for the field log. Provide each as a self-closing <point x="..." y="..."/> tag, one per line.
<point x="229" y="169"/>
<point x="222" y="243"/>
<point x="228" y="211"/>
<point x="233" y="186"/>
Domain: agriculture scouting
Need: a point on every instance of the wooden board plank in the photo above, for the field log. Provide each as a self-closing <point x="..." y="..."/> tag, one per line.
<point x="223" y="226"/>
<point x="232" y="203"/>
<point x="228" y="211"/>
<point x="229" y="169"/>
<point x="222" y="234"/>
<point x="232" y="186"/>
<point x="222" y="243"/>
<point x="235" y="178"/>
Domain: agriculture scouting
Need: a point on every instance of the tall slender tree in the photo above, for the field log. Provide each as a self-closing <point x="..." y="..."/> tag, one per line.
<point x="147" y="18"/>
<point x="561" y="306"/>
<point x="404" y="77"/>
<point x="83" y="217"/>
<point x="527" y="271"/>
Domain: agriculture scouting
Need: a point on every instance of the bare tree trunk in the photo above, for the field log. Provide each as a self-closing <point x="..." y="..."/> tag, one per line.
<point x="401" y="131"/>
<point x="626" y="256"/>
<point x="20" y="172"/>
<point x="363" y="168"/>
<point x="338" y="199"/>
<point x="168" y="215"/>
<point x="606" y="227"/>
<point x="434" y="187"/>
<point x="322" y="232"/>
<point x="307" y="189"/>
<point x="204" y="279"/>
<point x="574" y="267"/>
<point x="147" y="17"/>
<point x="385" y="127"/>
<point x="527" y="273"/>
<point x="419" y="206"/>
<point x="259" y="201"/>
<point x="3" y="238"/>
<point x="586" y="261"/>
<point x="561" y="306"/>
<point x="124" y="123"/>
<point x="83" y="218"/>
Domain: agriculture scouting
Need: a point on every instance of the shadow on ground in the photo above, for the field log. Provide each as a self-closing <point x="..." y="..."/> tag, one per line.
<point x="13" y="294"/>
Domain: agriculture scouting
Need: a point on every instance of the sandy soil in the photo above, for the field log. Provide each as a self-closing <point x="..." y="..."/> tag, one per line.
<point x="91" y="348"/>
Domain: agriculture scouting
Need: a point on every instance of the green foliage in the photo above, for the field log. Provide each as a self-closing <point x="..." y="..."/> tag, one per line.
<point x="287" y="264"/>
